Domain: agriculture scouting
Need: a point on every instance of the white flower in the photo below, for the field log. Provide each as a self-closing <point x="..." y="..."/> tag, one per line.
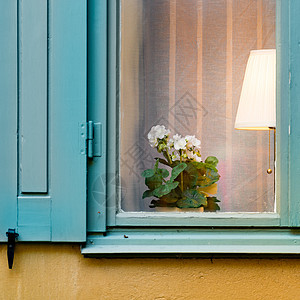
<point x="170" y="143"/>
<point x="175" y="156"/>
<point x="194" y="155"/>
<point x="153" y="142"/>
<point x="179" y="142"/>
<point x="190" y="154"/>
<point x="197" y="158"/>
<point x="157" y="132"/>
<point x="192" y="141"/>
<point x="162" y="131"/>
<point x="176" y="137"/>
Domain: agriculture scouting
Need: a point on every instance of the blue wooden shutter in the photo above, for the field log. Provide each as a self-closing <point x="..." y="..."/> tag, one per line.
<point x="43" y="60"/>
<point x="97" y="112"/>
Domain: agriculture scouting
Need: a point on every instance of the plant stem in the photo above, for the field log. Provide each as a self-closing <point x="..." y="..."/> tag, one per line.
<point x="169" y="159"/>
<point x="181" y="174"/>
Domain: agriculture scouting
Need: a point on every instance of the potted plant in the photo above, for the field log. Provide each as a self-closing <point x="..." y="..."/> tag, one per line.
<point x="180" y="179"/>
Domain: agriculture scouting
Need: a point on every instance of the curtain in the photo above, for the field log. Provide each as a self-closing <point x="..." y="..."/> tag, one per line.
<point x="182" y="66"/>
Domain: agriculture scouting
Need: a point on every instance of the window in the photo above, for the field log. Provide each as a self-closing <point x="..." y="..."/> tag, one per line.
<point x="182" y="65"/>
<point x="187" y="75"/>
<point x="49" y="170"/>
<point x="248" y="228"/>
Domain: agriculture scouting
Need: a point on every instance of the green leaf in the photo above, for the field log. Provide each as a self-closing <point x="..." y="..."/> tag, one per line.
<point x="163" y="172"/>
<point x="172" y="197"/>
<point x="147" y="194"/>
<point x="207" y="176"/>
<point x="191" y="199"/>
<point x="212" y="160"/>
<point x="154" y="181"/>
<point x="212" y="204"/>
<point x="148" y="173"/>
<point x="177" y="170"/>
<point x="198" y="165"/>
<point x="165" y="189"/>
<point x="190" y="176"/>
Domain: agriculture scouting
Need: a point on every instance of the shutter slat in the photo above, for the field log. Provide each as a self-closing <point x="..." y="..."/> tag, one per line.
<point x="8" y="116"/>
<point x="33" y="95"/>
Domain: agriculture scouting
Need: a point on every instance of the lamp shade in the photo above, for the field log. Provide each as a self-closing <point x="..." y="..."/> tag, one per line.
<point x="257" y="106"/>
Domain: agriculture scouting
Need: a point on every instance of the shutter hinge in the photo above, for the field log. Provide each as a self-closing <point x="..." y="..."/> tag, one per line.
<point x="91" y="136"/>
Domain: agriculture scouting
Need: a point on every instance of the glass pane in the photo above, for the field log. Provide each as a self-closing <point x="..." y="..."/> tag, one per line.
<point x="182" y="66"/>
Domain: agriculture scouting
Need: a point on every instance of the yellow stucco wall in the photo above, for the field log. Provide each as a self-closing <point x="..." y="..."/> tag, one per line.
<point x="60" y="272"/>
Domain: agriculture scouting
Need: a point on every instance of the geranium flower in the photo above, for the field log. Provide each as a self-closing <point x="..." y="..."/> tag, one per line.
<point x="192" y="141"/>
<point x="179" y="142"/>
<point x="157" y="132"/>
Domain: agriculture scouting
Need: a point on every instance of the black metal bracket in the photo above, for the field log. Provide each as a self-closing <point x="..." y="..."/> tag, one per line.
<point x="12" y="235"/>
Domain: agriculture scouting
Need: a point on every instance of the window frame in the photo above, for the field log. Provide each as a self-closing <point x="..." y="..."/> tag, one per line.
<point x="134" y="232"/>
<point x="167" y="219"/>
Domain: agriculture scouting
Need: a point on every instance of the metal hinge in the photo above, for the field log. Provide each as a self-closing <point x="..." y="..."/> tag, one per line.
<point x="91" y="138"/>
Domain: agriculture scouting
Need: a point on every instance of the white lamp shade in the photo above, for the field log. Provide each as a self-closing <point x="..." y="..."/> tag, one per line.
<point x="257" y="106"/>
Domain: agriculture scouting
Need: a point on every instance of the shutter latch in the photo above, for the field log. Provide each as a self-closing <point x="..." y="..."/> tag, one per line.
<point x="92" y="134"/>
<point x="12" y="235"/>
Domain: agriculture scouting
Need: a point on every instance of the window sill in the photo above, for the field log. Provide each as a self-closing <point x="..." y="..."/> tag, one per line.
<point x="194" y="241"/>
<point x="197" y="219"/>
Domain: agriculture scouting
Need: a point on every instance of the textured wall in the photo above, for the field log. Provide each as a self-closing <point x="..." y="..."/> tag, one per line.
<point x="60" y="272"/>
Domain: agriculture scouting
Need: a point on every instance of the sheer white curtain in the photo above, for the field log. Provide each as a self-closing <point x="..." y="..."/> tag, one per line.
<point x="182" y="66"/>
